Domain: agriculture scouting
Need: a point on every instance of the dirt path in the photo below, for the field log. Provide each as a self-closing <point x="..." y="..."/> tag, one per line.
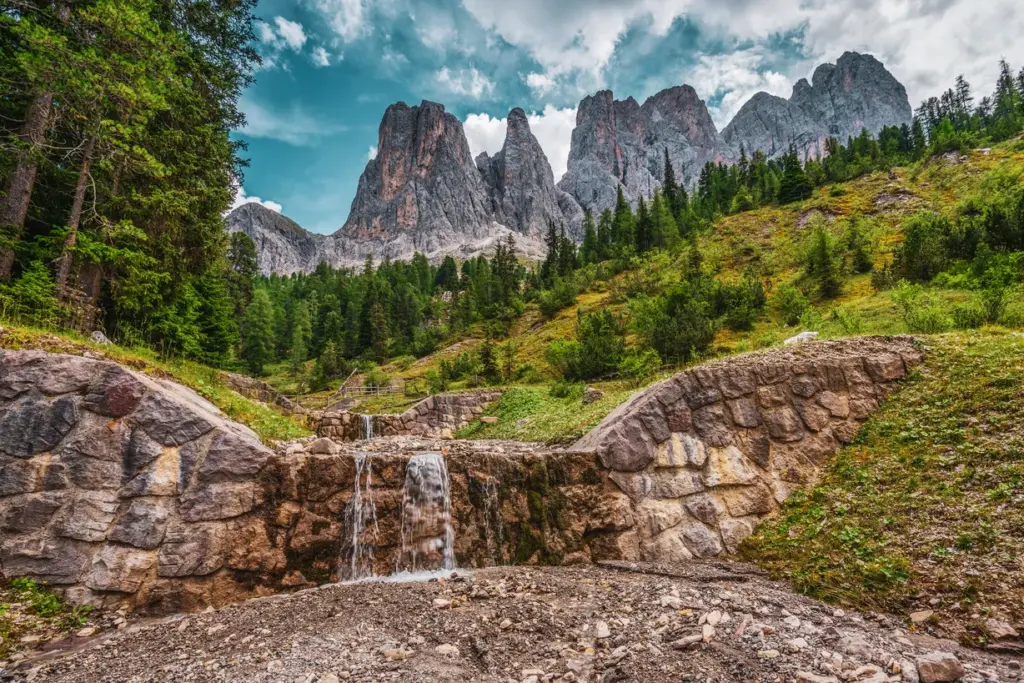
<point x="700" y="622"/>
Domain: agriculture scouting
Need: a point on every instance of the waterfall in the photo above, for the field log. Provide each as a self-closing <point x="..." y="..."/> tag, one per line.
<point x="367" y="427"/>
<point x="356" y="558"/>
<point x="494" y="528"/>
<point x="428" y="538"/>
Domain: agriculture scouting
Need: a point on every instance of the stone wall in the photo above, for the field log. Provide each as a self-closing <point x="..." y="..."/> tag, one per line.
<point x="705" y="455"/>
<point x="114" y="484"/>
<point x="437" y="416"/>
<point x="125" y="490"/>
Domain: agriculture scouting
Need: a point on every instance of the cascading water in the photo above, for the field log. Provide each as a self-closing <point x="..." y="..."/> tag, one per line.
<point x="367" y="427"/>
<point x="428" y="538"/>
<point x="356" y="557"/>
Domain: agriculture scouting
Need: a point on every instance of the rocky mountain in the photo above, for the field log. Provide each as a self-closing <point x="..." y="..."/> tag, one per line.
<point x="521" y="186"/>
<point x="424" y="192"/>
<point x="282" y="245"/>
<point x="842" y="99"/>
<point x="620" y="142"/>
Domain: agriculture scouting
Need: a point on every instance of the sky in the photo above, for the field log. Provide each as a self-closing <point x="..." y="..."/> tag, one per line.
<point x="331" y="68"/>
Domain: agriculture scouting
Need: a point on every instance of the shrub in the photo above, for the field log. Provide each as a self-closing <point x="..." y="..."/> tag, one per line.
<point x="680" y="324"/>
<point x="563" y="356"/>
<point x="822" y="259"/>
<point x="969" y="316"/>
<point x="741" y="303"/>
<point x="600" y="340"/>
<point x="560" y="296"/>
<point x="849" y="321"/>
<point x="837" y="190"/>
<point x="403" y="363"/>
<point x="923" y="254"/>
<point x="789" y="303"/>
<point x="375" y="378"/>
<point x="921" y="312"/>
<point x="860" y="246"/>
<point x="637" y="367"/>
<point x="436" y="382"/>
<point x="562" y="388"/>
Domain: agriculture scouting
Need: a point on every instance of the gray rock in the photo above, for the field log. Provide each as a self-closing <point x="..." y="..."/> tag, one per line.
<point x="282" y="245"/>
<point x="97" y="337"/>
<point x="521" y="186"/>
<point x="89" y="516"/>
<point x="35" y="424"/>
<point x="937" y="667"/>
<point x="170" y="422"/>
<point x="121" y="569"/>
<point x="142" y="526"/>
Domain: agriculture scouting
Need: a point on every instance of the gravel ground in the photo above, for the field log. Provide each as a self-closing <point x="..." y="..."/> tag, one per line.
<point x="711" y="621"/>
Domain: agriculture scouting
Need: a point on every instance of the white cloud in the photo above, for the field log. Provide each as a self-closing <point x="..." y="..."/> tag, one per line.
<point x="737" y="76"/>
<point x="925" y="43"/>
<point x="347" y="18"/>
<point x="552" y="128"/>
<point x="291" y="33"/>
<point x="242" y="198"/>
<point x="372" y="153"/>
<point x="466" y="82"/>
<point x="320" y="56"/>
<point x="540" y="84"/>
<point x="294" y="126"/>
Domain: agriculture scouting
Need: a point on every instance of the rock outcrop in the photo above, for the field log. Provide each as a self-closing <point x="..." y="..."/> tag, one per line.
<point x="522" y="188"/>
<point x="620" y="142"/>
<point x="844" y="98"/>
<point x="282" y="245"/>
<point x="706" y="454"/>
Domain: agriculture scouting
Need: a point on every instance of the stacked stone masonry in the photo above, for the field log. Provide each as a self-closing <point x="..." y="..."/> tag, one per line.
<point x="121" y="489"/>
<point x="702" y="457"/>
<point x="438" y="416"/>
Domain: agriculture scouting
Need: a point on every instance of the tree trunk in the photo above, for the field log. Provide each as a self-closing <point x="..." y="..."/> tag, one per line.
<point x="19" y="188"/>
<point x="64" y="261"/>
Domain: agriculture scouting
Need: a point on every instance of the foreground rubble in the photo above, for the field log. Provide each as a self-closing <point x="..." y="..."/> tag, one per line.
<point x="616" y="622"/>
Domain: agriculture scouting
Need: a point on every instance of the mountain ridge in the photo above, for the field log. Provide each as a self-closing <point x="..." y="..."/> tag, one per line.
<point x="424" y="192"/>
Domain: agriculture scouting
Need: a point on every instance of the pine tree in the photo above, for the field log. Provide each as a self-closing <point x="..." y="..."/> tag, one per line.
<point x="644" y="227"/>
<point x="302" y="333"/>
<point x="623" y="222"/>
<point x="258" y="333"/>
<point x="795" y="185"/>
<point x="589" y="250"/>
<point x="920" y="143"/>
<point x="605" y="233"/>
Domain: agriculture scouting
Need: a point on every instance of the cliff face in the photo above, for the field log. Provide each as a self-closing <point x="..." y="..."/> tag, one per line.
<point x="521" y="186"/>
<point x="425" y="193"/>
<point x="620" y="142"/>
<point x="282" y="246"/>
<point x="855" y="93"/>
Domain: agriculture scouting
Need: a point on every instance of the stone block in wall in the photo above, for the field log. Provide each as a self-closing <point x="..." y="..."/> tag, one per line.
<point x="636" y="485"/>
<point x="143" y="524"/>
<point x="735" y="531"/>
<point x="728" y="467"/>
<point x="744" y="412"/>
<point x="168" y="421"/>
<point x="885" y="367"/>
<point x="88" y="516"/>
<point x="210" y="502"/>
<point x="115" y="393"/>
<point x="233" y="457"/>
<point x="704" y="508"/>
<point x="33" y="424"/>
<point x="697" y="394"/>
<point x="804" y="386"/>
<point x="32" y="512"/>
<point x="783" y="424"/>
<point x="46" y="373"/>
<point x="681" y="450"/>
<point x="159" y="477"/>
<point x="192" y="549"/>
<point x="612" y="513"/>
<point x="736" y="381"/>
<point x="19" y="476"/>
<point x="60" y="561"/>
<point x="120" y="568"/>
<point x="755" y="444"/>
<point x="668" y="483"/>
<point x="837" y="405"/>
<point x="700" y="539"/>
<point x="667" y="546"/>
<point x="655" y="516"/>
<point x="713" y="425"/>
<point x="814" y="417"/>
<point x="748" y="500"/>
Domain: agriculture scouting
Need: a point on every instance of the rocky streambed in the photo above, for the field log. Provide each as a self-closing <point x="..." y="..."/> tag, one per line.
<point x="702" y="621"/>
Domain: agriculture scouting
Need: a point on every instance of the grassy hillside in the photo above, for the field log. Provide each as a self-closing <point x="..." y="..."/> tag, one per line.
<point x="925" y="511"/>
<point x="266" y="422"/>
<point x="766" y="241"/>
